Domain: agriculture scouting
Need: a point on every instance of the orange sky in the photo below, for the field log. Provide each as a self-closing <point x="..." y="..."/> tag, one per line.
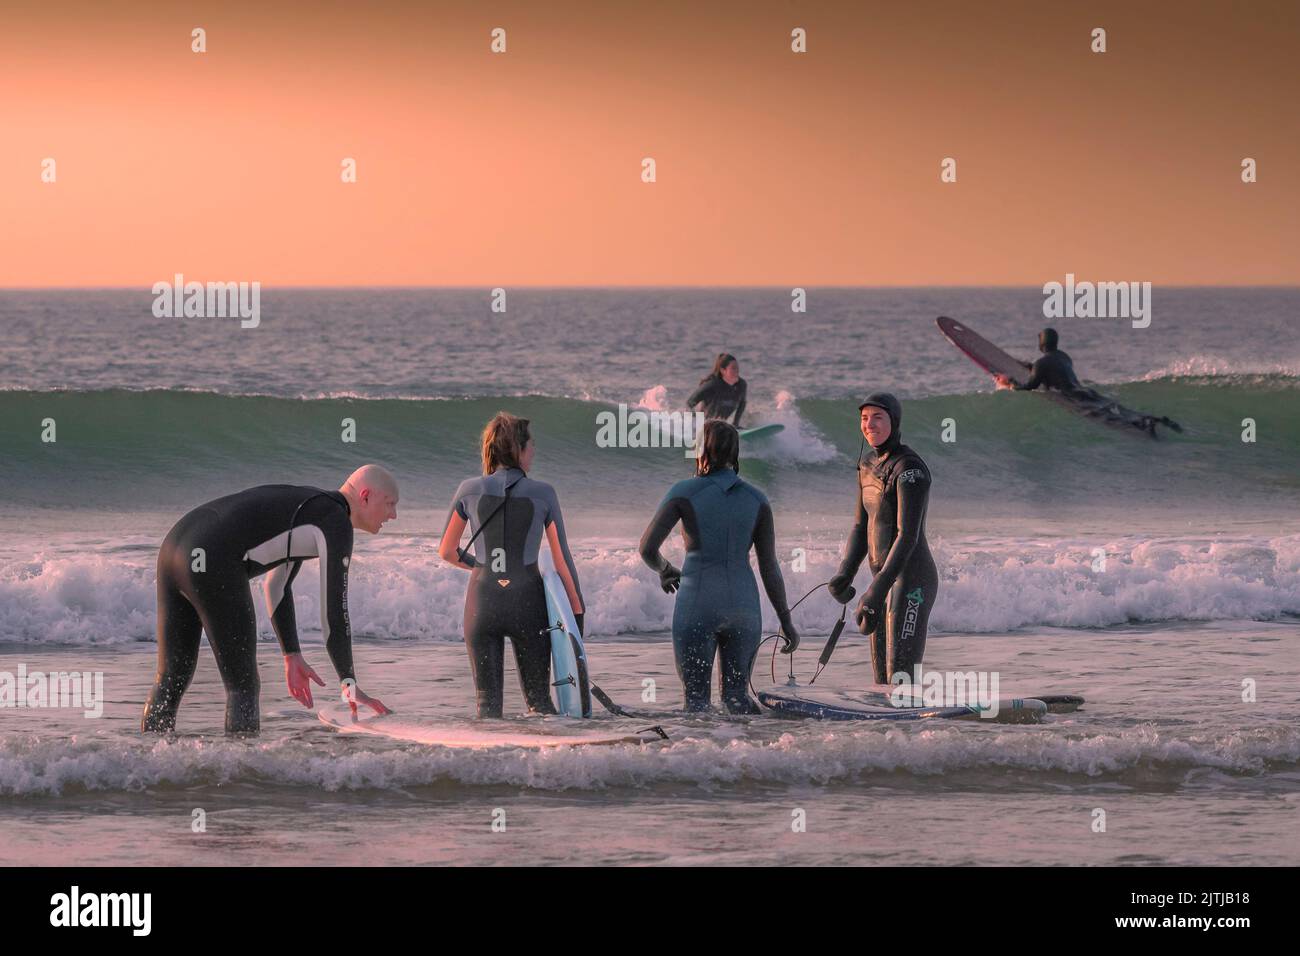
<point x="773" y="168"/>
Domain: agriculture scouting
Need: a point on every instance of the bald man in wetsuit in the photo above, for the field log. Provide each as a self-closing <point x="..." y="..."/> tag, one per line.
<point x="205" y="566"/>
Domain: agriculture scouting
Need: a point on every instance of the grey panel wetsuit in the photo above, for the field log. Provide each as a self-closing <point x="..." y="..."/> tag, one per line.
<point x="720" y="399"/>
<point x="717" y="611"/>
<point x="205" y="565"/>
<point x="505" y="596"/>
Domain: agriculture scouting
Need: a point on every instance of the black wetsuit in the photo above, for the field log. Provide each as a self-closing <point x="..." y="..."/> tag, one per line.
<point x="1053" y="370"/>
<point x="242" y="536"/>
<point x="889" y="530"/>
<point x="505" y="596"/>
<point x="720" y="399"/>
<point x="717" y="611"/>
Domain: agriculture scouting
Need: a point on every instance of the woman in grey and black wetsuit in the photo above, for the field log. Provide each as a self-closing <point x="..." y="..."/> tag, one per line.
<point x="509" y="515"/>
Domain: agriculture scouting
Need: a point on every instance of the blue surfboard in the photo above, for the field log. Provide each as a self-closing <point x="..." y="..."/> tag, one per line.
<point x="760" y="431"/>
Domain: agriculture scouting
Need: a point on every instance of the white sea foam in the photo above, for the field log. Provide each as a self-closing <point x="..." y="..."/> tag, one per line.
<point x="400" y="589"/>
<point x="1234" y="370"/>
<point x="31" y="765"/>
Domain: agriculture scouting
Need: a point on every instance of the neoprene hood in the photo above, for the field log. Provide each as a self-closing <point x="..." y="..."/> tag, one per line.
<point x="893" y="408"/>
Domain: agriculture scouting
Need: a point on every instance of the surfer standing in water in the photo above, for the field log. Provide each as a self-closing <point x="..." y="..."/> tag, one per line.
<point x="889" y="531"/>
<point x="511" y="514"/>
<point x="204" y="568"/>
<point x="717" y="612"/>
<point x="721" y="393"/>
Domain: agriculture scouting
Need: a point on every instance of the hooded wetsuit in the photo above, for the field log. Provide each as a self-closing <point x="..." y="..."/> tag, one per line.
<point x="204" y="568"/>
<point x="893" y="492"/>
<point x="505" y="596"/>
<point x="1054" y="370"/>
<point x="720" y="399"/>
<point x="717" y="611"/>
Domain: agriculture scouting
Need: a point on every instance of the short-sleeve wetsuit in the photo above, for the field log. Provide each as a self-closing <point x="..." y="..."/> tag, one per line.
<point x="505" y="597"/>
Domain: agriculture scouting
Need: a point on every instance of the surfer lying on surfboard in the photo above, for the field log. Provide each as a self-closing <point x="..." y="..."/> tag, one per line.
<point x="511" y="515"/>
<point x="1054" y="370"/>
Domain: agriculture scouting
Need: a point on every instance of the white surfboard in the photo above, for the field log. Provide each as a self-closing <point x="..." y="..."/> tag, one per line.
<point x="530" y="733"/>
<point x="568" y="656"/>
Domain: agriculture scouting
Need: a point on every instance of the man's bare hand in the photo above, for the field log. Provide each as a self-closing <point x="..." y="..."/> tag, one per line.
<point x="299" y="675"/>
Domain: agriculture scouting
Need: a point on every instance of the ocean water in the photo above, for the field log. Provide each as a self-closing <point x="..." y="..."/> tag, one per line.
<point x="1152" y="577"/>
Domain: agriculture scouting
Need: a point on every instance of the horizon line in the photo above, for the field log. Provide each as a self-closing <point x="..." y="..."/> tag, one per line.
<point x="631" y="286"/>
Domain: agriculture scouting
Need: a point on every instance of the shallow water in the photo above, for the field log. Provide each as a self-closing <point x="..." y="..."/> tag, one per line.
<point x="1184" y="771"/>
<point x="1154" y="578"/>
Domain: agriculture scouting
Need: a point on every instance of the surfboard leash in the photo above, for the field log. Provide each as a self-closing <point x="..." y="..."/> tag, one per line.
<point x="831" y="641"/>
<point x="826" y="652"/>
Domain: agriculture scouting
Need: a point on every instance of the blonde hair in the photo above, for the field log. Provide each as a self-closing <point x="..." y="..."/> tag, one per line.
<point x="504" y="440"/>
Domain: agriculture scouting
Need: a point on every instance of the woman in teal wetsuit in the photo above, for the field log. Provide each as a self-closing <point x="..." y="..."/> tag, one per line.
<point x="717" y="612"/>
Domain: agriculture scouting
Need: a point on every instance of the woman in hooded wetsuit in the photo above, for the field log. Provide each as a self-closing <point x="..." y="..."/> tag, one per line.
<point x="893" y="492"/>
<point x="509" y="514"/>
<point x="717" y="612"/>
<point x="721" y="393"/>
